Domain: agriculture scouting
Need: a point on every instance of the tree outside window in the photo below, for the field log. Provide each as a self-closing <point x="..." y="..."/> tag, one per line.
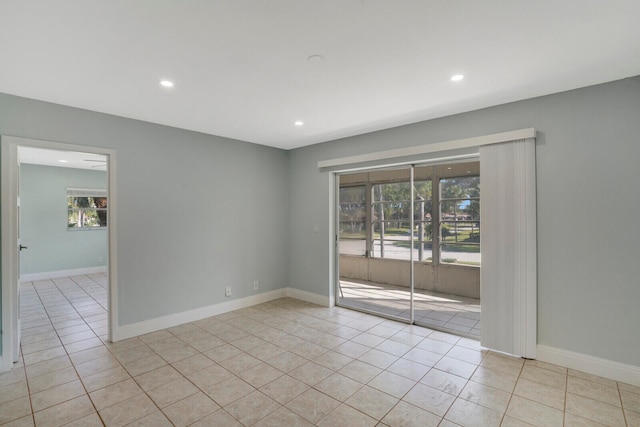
<point x="391" y="219"/>
<point x="87" y="208"/>
<point x="446" y="209"/>
<point x="353" y="232"/>
<point x="459" y="217"/>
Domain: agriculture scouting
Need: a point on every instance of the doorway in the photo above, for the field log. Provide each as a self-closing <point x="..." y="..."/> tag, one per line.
<point x="66" y="244"/>
<point x="409" y="244"/>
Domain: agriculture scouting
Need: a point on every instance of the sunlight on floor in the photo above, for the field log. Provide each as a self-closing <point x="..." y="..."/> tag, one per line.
<point x="443" y="311"/>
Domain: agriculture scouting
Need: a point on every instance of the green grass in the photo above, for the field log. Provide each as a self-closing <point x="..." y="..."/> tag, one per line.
<point x="352" y="236"/>
<point x="392" y="232"/>
<point x="463" y="236"/>
<point x="460" y="247"/>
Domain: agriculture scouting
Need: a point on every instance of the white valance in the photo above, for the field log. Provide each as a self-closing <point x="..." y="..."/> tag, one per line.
<point x="439" y="150"/>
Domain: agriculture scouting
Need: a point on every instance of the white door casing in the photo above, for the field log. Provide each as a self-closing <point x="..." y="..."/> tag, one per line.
<point x="10" y="263"/>
<point x="9" y="186"/>
<point x="17" y="330"/>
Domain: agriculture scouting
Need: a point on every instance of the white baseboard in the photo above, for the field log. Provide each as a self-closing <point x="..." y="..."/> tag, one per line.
<point x="317" y="299"/>
<point x="32" y="277"/>
<point x="152" y="325"/>
<point x="6" y="364"/>
<point x="624" y="373"/>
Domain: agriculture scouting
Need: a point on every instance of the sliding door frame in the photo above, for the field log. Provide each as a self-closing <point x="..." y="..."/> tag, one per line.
<point x="337" y="288"/>
<point x="369" y="184"/>
<point x="524" y="294"/>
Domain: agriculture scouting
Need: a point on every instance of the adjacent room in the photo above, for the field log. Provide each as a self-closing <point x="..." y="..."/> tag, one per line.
<point x="66" y="250"/>
<point x="348" y="213"/>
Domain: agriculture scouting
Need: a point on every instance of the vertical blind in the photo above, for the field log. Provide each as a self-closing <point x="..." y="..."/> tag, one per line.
<point x="508" y="274"/>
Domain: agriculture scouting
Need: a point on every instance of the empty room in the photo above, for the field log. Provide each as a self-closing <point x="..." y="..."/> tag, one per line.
<point x="337" y="213"/>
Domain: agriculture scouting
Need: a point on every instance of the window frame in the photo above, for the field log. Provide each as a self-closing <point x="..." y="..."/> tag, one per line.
<point x="375" y="242"/>
<point x="443" y="243"/>
<point x="363" y="220"/>
<point x="432" y="244"/>
<point x="94" y="193"/>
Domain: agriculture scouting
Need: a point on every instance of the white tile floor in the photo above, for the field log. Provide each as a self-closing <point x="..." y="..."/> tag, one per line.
<point x="451" y="313"/>
<point x="283" y="363"/>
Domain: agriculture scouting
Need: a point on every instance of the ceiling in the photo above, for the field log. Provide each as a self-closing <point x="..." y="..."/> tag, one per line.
<point x="242" y="68"/>
<point x="64" y="159"/>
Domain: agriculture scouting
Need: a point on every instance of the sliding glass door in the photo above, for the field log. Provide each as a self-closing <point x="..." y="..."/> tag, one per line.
<point x="375" y="242"/>
<point x="409" y="244"/>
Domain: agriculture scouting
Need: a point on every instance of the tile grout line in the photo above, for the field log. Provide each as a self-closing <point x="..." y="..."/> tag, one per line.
<point x="26" y="378"/>
<point x="69" y="356"/>
<point x="566" y="391"/>
<point x="298" y="323"/>
<point x="624" y="413"/>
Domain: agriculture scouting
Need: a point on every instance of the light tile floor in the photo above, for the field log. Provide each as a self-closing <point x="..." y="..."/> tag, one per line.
<point x="451" y="313"/>
<point x="282" y="363"/>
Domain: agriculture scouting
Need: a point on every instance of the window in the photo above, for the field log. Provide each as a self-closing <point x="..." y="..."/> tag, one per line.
<point x="460" y="220"/>
<point x="353" y="218"/>
<point x="391" y="220"/>
<point x="87" y="208"/>
<point x="375" y="214"/>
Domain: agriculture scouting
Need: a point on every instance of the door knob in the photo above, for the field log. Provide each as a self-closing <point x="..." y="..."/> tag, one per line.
<point x="23" y="247"/>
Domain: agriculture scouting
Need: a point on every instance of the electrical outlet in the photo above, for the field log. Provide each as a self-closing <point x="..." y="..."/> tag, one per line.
<point x="227" y="292"/>
<point x="255" y="285"/>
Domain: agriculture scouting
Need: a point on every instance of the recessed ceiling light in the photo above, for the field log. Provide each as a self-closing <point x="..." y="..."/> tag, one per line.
<point x="457" y="77"/>
<point x="316" y="59"/>
<point x="468" y="171"/>
<point x="449" y="168"/>
<point x="298" y="123"/>
<point x="166" y="83"/>
<point x="63" y="161"/>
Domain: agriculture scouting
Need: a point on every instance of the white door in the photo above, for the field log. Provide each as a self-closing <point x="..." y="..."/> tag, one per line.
<point x="19" y="248"/>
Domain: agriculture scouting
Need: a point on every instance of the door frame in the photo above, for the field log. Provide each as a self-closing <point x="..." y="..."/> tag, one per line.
<point x="9" y="233"/>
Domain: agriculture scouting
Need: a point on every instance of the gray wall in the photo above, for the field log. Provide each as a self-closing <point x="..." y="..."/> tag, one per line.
<point x="195" y="212"/>
<point x="43" y="214"/>
<point x="588" y="154"/>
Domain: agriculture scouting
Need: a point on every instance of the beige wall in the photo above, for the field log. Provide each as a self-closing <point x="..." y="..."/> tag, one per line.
<point x="453" y="279"/>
